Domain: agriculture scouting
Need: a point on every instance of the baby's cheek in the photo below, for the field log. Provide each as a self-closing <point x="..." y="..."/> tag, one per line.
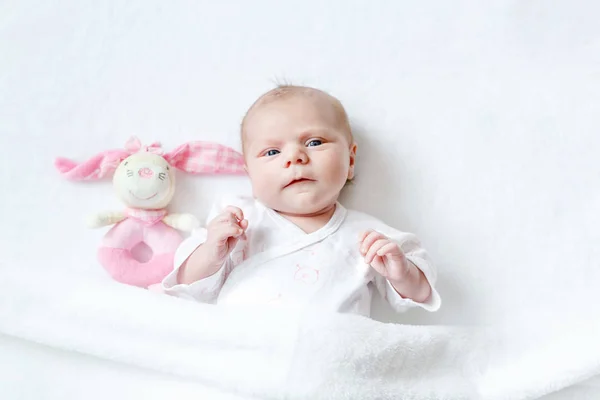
<point x="337" y="170"/>
<point x="264" y="187"/>
<point x="259" y="180"/>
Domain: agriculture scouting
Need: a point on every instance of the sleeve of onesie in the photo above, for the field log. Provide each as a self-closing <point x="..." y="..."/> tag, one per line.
<point x="415" y="254"/>
<point x="204" y="290"/>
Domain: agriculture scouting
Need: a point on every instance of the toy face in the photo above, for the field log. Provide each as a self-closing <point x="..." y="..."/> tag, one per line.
<point x="145" y="180"/>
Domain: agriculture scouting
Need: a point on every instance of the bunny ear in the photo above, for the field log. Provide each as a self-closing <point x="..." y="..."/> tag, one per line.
<point x="133" y="144"/>
<point x="97" y="167"/>
<point x="206" y="158"/>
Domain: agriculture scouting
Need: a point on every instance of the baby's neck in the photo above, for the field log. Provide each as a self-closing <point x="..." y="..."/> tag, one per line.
<point x="312" y="222"/>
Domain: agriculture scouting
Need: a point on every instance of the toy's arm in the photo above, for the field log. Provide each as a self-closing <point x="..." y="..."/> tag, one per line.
<point x="105" y="218"/>
<point x="182" y="222"/>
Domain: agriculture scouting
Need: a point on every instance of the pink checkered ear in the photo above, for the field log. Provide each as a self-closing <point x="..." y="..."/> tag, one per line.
<point x="97" y="167"/>
<point x="206" y="158"/>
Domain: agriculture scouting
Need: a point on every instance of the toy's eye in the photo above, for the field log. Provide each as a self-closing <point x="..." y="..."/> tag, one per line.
<point x="126" y="162"/>
<point x="167" y="167"/>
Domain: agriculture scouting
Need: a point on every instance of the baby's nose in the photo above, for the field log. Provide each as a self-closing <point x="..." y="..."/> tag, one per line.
<point x="145" y="173"/>
<point x="297" y="158"/>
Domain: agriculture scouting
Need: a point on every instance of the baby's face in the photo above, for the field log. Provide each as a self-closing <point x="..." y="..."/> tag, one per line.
<point x="298" y="155"/>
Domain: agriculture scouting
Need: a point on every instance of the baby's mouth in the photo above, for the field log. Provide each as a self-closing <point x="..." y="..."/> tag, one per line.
<point x="300" y="180"/>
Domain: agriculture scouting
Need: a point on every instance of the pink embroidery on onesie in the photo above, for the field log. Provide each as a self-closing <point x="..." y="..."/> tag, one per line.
<point x="307" y="275"/>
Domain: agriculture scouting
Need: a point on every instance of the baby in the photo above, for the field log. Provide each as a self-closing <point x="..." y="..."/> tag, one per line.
<point x="293" y="244"/>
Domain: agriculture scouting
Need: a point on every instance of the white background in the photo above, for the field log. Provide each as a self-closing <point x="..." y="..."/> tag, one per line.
<point x="477" y="125"/>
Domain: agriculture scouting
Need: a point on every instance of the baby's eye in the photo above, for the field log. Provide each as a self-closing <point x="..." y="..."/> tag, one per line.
<point x="271" y="152"/>
<point x="314" y="142"/>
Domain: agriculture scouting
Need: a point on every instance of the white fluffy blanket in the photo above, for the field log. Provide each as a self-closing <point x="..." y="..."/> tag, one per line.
<point x="250" y="353"/>
<point x="274" y="355"/>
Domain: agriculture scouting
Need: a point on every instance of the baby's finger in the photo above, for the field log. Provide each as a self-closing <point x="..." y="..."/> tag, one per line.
<point x="225" y="216"/>
<point x="222" y="218"/>
<point x="363" y="235"/>
<point x="236" y="211"/>
<point x="227" y="220"/>
<point x="390" y="248"/>
<point x="243" y="225"/>
<point x="224" y="232"/>
<point x="379" y="266"/>
<point x="369" y="240"/>
<point x="375" y="247"/>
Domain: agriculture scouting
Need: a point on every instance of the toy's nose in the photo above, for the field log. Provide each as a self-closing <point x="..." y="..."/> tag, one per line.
<point x="145" y="173"/>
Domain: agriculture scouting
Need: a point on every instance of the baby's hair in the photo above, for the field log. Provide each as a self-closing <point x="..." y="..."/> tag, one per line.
<point x="284" y="90"/>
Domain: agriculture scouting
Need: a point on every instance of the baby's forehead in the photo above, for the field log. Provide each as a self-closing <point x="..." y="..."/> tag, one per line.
<point x="331" y="111"/>
<point x="292" y="120"/>
<point x="283" y="92"/>
<point x="296" y="106"/>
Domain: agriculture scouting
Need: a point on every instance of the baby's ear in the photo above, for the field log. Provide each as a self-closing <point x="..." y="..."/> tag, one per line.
<point x="353" y="149"/>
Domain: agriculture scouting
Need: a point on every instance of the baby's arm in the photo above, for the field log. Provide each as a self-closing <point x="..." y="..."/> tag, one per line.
<point x="387" y="258"/>
<point x="405" y="276"/>
<point x="199" y="273"/>
<point x="223" y="233"/>
<point x="413" y="285"/>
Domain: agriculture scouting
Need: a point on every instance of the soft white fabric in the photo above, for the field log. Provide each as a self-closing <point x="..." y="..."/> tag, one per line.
<point x="528" y="361"/>
<point x="231" y="352"/>
<point x="263" y="353"/>
<point x="279" y="265"/>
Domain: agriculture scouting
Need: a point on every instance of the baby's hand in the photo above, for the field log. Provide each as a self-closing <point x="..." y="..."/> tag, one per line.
<point x="224" y="231"/>
<point x="384" y="255"/>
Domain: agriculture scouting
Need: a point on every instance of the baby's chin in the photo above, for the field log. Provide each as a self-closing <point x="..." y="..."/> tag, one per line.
<point x="300" y="204"/>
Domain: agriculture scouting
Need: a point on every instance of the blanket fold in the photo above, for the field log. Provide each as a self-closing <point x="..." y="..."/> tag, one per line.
<point x="270" y="354"/>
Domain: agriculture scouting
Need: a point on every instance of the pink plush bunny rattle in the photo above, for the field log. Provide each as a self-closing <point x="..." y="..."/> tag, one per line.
<point x="144" y="179"/>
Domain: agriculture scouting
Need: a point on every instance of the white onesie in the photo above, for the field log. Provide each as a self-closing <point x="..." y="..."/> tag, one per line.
<point x="280" y="265"/>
